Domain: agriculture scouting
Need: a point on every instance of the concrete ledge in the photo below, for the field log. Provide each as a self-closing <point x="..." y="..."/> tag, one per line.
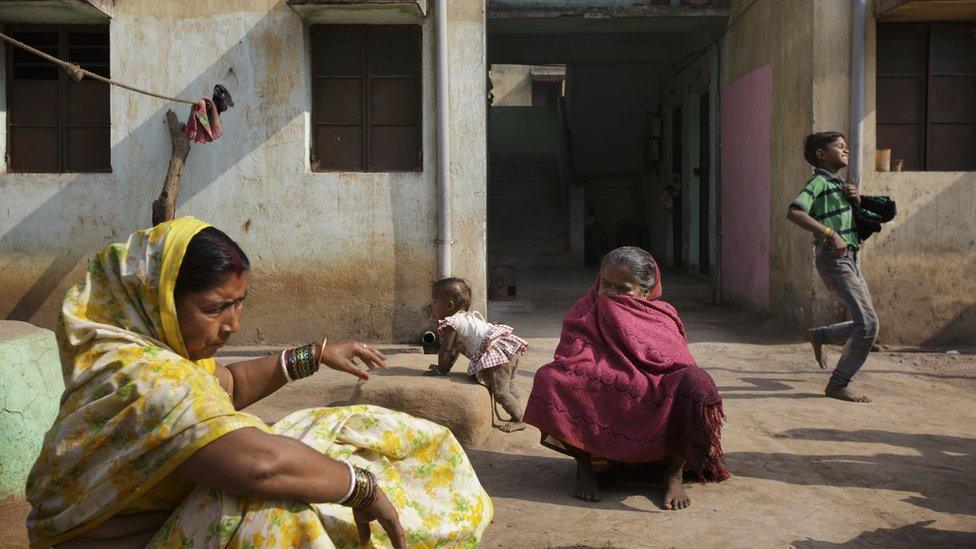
<point x="461" y="405"/>
<point x="63" y="12"/>
<point x="360" y="12"/>
<point x="263" y="350"/>
<point x="30" y="395"/>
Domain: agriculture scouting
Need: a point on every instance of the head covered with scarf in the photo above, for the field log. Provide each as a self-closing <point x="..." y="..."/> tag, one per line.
<point x="135" y="405"/>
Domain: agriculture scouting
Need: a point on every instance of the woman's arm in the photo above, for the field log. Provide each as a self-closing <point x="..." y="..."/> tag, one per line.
<point x="249" y="381"/>
<point x="250" y="462"/>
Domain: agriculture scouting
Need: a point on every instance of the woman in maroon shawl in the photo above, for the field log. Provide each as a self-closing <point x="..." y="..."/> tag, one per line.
<point x="623" y="386"/>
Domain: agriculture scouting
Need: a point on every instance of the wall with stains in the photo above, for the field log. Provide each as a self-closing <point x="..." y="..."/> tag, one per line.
<point x="746" y="124"/>
<point x="922" y="267"/>
<point x="778" y="36"/>
<point x="338" y="254"/>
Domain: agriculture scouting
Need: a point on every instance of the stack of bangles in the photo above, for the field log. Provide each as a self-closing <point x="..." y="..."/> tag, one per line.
<point x="301" y="362"/>
<point x="362" y="488"/>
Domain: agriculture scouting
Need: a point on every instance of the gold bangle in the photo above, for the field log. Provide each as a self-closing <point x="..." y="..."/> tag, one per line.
<point x="828" y="233"/>
<point x="322" y="345"/>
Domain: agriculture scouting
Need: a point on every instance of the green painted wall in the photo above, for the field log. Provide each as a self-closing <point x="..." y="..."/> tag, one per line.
<point x="30" y="394"/>
<point x="522" y="132"/>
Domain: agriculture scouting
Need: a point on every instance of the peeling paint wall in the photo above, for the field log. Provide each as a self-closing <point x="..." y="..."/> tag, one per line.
<point x="343" y="254"/>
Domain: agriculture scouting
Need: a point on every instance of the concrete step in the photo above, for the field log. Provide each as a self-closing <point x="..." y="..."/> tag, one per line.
<point x="521" y="245"/>
<point x="533" y="260"/>
<point x="550" y="202"/>
<point x="522" y="176"/>
<point x="506" y="228"/>
<point x="524" y="189"/>
<point x="527" y="164"/>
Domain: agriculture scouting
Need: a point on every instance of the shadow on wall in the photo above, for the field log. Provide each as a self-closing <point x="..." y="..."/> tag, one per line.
<point x="924" y="267"/>
<point x="911" y="536"/>
<point x="134" y="203"/>
<point x="925" y="473"/>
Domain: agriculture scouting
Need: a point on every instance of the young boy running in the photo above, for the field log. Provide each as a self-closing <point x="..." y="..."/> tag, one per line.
<point x="824" y="209"/>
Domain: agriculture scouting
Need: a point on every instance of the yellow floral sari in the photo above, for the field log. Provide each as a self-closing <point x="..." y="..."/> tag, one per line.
<point x="134" y="408"/>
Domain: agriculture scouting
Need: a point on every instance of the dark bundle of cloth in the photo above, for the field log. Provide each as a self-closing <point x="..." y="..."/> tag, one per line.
<point x="871" y="213"/>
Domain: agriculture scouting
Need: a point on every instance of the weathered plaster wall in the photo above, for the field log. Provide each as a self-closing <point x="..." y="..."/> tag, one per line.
<point x="511" y="85"/>
<point x="922" y="266"/>
<point x="30" y="391"/>
<point x="344" y="254"/>
<point x="779" y="34"/>
<point x="746" y="127"/>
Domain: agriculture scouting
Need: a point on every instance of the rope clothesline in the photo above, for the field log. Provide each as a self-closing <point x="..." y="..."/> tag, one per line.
<point x="78" y="73"/>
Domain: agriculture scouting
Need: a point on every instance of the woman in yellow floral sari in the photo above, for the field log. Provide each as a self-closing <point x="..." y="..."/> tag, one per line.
<point x="150" y="447"/>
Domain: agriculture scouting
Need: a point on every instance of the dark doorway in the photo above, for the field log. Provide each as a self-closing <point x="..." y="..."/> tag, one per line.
<point x="677" y="206"/>
<point x="703" y="198"/>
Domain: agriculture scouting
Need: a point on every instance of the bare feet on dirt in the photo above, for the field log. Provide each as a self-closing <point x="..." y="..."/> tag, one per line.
<point x="675" y="496"/>
<point x="817" y="350"/>
<point x="511" y="426"/>
<point x="587" y="483"/>
<point x="843" y="393"/>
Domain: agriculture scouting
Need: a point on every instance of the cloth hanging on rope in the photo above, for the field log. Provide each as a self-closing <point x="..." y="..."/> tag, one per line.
<point x="204" y="123"/>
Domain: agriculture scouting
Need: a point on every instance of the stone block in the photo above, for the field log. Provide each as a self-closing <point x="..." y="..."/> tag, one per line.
<point x="461" y="405"/>
<point x="30" y="394"/>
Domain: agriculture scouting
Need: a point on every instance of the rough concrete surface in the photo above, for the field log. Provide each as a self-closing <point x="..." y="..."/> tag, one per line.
<point x="30" y="388"/>
<point x="808" y="472"/>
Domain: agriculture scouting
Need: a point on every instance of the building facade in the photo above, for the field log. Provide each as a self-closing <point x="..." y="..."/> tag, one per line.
<point x="331" y="193"/>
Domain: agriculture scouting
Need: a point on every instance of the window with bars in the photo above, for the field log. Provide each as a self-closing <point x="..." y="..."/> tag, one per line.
<point x="54" y="124"/>
<point x="926" y="94"/>
<point x="366" y="98"/>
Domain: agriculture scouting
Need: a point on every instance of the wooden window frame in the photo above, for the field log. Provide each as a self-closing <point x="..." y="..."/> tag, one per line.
<point x="927" y="78"/>
<point x="63" y="81"/>
<point x="367" y="79"/>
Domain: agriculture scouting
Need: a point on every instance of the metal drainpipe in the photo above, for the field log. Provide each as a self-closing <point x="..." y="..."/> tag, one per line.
<point x="858" y="16"/>
<point x="444" y="232"/>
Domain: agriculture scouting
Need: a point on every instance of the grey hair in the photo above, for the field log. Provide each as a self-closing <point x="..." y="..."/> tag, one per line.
<point x="638" y="261"/>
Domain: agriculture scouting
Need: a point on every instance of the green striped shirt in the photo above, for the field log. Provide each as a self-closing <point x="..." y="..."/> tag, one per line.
<point x="823" y="198"/>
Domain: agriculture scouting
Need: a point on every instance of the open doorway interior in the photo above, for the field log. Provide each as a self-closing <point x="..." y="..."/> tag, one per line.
<point x="601" y="134"/>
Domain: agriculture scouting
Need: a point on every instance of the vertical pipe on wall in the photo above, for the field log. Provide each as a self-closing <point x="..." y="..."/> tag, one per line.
<point x="858" y="15"/>
<point x="444" y="233"/>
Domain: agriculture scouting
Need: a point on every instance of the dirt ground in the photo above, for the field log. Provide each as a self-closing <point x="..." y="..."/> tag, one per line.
<point x="808" y="472"/>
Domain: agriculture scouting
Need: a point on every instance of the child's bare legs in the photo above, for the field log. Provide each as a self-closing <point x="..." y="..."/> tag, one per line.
<point x="501" y="380"/>
<point x="672" y="480"/>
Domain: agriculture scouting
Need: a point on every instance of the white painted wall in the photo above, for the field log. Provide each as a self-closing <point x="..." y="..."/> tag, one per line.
<point x="343" y="254"/>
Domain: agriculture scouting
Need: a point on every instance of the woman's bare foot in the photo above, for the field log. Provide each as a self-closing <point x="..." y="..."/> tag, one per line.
<point x="511" y="426"/>
<point x="675" y="496"/>
<point x="817" y="350"/>
<point x="587" y="483"/>
<point x="842" y="393"/>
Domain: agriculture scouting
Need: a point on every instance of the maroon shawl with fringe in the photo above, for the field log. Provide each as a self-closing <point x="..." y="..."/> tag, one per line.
<point x="624" y="386"/>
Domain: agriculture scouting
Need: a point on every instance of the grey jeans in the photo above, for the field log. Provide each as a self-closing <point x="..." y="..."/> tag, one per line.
<point x="843" y="276"/>
<point x="501" y="383"/>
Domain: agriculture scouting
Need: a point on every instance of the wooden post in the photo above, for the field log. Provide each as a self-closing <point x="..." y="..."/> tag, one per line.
<point x="164" y="207"/>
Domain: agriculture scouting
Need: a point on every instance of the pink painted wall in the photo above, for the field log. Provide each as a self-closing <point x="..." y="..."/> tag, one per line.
<point x="747" y="107"/>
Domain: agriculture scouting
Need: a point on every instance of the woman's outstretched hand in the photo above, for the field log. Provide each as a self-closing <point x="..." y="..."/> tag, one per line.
<point x="340" y="355"/>
<point x="381" y="510"/>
